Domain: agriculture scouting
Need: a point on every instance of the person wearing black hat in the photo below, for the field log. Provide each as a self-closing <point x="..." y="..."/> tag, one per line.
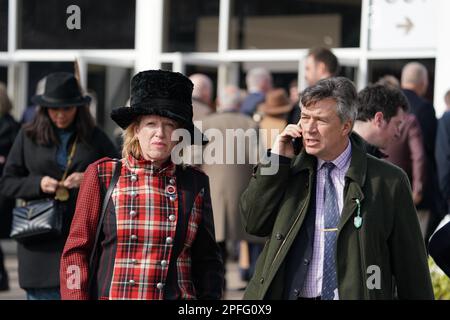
<point x="158" y="229"/>
<point x="48" y="160"/>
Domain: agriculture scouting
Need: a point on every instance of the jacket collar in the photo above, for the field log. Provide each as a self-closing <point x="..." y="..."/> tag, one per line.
<point x="303" y="162"/>
<point x="137" y="165"/>
<point x="358" y="162"/>
<point x="367" y="147"/>
<point x="355" y="176"/>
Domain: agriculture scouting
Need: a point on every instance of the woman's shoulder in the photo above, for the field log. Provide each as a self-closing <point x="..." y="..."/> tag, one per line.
<point x="8" y="120"/>
<point x="105" y="162"/>
<point x="23" y="136"/>
<point x="103" y="167"/>
<point x="192" y="172"/>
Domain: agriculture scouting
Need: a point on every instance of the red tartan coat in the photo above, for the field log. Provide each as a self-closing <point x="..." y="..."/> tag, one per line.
<point x="157" y="236"/>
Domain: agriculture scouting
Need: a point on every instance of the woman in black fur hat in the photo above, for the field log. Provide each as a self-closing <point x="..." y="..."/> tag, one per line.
<point x="153" y="237"/>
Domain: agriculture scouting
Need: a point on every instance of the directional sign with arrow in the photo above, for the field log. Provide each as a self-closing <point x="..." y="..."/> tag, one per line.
<point x="407" y="25"/>
<point x="402" y="24"/>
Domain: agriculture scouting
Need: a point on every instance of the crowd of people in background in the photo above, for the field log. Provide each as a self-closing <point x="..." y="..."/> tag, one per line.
<point x="394" y="122"/>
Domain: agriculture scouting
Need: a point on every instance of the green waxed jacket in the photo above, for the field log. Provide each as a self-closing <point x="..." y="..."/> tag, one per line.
<point x="275" y="206"/>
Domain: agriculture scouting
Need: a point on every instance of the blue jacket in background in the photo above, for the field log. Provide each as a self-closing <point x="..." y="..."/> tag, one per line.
<point x="250" y="103"/>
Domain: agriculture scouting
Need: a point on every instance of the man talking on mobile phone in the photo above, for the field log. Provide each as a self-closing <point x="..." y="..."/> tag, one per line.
<point x="341" y="223"/>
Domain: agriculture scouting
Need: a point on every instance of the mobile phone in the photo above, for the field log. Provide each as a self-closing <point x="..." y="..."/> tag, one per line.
<point x="297" y="143"/>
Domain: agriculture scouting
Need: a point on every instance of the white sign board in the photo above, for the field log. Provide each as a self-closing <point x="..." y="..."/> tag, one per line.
<point x="403" y="24"/>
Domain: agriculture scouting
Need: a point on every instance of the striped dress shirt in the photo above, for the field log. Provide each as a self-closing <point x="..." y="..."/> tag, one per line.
<point x="313" y="282"/>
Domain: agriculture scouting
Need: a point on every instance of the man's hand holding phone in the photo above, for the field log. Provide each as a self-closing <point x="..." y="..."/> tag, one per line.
<point x="283" y="144"/>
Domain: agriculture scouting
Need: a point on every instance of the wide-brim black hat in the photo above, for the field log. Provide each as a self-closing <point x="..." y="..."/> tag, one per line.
<point x="439" y="246"/>
<point x="61" y="90"/>
<point x="163" y="93"/>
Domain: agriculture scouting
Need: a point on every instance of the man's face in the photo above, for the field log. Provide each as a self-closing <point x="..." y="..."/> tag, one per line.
<point x="324" y="135"/>
<point x="388" y="132"/>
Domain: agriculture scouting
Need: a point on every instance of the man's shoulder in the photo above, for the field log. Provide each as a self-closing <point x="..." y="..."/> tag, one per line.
<point x="383" y="169"/>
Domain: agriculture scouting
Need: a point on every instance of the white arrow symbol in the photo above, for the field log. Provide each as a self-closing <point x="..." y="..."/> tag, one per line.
<point x="408" y="25"/>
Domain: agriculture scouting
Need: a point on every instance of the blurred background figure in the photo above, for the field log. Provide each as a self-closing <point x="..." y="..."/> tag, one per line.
<point x="259" y="81"/>
<point x="408" y="151"/>
<point x="202" y="95"/>
<point x="443" y="151"/>
<point x="229" y="180"/>
<point x="273" y="115"/>
<point x="118" y="134"/>
<point x="294" y="96"/>
<point x="30" y="111"/>
<point x="8" y="131"/>
<point x="62" y="132"/>
<point x="381" y="111"/>
<point x="294" y="92"/>
<point x="447" y="100"/>
<point x="321" y="63"/>
<point x="414" y="82"/>
<point x="389" y="81"/>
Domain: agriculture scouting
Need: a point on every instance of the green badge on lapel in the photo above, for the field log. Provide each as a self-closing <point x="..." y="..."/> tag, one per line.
<point x="358" y="219"/>
<point x="357" y="222"/>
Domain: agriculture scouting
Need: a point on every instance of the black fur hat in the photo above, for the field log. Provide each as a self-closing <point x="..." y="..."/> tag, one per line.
<point x="164" y="93"/>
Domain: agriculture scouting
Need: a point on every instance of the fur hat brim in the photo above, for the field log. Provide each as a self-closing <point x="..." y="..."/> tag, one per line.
<point x="124" y="116"/>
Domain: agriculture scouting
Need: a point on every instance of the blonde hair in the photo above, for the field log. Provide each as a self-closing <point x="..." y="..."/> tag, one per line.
<point x="131" y="146"/>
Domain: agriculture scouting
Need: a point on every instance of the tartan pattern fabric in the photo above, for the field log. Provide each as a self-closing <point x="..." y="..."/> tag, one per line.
<point x="146" y="202"/>
<point x="153" y="197"/>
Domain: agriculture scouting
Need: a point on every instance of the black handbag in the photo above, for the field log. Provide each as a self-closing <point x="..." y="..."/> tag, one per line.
<point x="37" y="220"/>
<point x="42" y="219"/>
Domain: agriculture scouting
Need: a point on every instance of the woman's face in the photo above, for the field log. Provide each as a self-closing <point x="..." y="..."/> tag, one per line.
<point x="62" y="118"/>
<point x="154" y="134"/>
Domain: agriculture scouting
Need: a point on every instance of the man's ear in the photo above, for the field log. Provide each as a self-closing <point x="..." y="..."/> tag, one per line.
<point x="322" y="68"/>
<point x="347" y="128"/>
<point x="378" y="119"/>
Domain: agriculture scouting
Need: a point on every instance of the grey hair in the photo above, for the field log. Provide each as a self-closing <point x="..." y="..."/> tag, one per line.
<point x="414" y="73"/>
<point x="203" y="87"/>
<point x="340" y="89"/>
<point x="230" y="98"/>
<point x="256" y="78"/>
